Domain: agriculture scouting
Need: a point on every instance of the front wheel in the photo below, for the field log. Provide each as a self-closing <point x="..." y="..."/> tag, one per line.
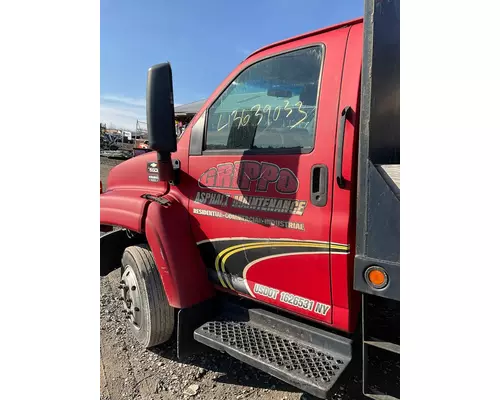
<point x="146" y="307"/>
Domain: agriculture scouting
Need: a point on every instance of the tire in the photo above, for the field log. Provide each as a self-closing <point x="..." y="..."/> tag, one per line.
<point x="150" y="316"/>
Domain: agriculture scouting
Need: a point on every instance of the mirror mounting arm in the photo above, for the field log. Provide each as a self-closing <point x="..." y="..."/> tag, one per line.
<point x="165" y="168"/>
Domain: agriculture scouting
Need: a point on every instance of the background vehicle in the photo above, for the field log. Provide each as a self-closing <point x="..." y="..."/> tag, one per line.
<point x="271" y="228"/>
<point x="110" y="142"/>
<point x="127" y="136"/>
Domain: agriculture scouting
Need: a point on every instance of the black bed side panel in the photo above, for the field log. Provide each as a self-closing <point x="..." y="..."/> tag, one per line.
<point x="377" y="236"/>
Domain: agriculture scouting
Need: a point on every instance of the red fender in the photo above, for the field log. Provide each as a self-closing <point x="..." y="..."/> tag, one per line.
<point x="177" y="258"/>
<point x="123" y="208"/>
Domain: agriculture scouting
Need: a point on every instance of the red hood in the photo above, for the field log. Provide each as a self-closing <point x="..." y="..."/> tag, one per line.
<point x="133" y="174"/>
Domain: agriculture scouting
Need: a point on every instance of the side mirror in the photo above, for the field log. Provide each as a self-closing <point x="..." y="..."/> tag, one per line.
<point x="160" y="117"/>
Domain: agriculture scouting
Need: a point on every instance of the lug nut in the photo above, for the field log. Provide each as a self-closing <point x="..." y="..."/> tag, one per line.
<point x="136" y="308"/>
<point x="133" y="288"/>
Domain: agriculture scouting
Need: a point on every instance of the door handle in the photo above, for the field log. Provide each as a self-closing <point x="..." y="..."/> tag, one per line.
<point x="319" y="185"/>
<point x="346" y="112"/>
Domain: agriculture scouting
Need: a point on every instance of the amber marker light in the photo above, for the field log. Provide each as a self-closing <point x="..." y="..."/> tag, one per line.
<point x="376" y="277"/>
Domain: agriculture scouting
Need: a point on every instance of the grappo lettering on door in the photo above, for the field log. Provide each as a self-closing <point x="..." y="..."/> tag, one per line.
<point x="241" y="174"/>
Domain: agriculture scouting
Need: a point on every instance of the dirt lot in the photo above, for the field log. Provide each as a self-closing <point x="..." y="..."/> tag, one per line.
<point x="129" y="372"/>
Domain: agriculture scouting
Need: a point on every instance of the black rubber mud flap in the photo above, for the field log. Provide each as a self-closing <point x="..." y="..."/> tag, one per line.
<point x="303" y="356"/>
<point x="188" y="319"/>
<point x="381" y="348"/>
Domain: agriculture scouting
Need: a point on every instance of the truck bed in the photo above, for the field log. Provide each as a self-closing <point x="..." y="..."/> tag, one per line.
<point x="391" y="173"/>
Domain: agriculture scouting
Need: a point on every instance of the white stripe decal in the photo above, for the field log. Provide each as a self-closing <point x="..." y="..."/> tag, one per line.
<point x="248" y="266"/>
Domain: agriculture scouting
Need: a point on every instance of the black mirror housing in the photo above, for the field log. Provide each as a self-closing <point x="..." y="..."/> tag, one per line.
<point x="160" y="110"/>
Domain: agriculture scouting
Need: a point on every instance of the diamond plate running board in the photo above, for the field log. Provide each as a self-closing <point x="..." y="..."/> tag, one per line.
<point x="303" y="356"/>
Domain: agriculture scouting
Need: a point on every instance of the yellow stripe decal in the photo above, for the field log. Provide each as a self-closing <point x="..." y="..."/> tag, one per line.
<point x="222" y="257"/>
<point x="262" y="246"/>
<point x="221" y="254"/>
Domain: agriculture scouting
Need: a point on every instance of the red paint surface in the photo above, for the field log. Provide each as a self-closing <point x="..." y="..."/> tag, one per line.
<point x="182" y="272"/>
<point x="344" y="204"/>
<point x="132" y="174"/>
<point x="307" y="35"/>
<point x="123" y="208"/>
<point x="289" y="274"/>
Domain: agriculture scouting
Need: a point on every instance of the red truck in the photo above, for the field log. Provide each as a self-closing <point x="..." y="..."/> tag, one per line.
<point x="270" y="229"/>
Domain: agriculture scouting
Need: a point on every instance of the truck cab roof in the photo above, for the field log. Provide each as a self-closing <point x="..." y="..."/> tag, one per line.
<point x="307" y="34"/>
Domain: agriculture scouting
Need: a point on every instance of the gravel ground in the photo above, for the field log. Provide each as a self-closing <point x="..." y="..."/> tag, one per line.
<point x="129" y="372"/>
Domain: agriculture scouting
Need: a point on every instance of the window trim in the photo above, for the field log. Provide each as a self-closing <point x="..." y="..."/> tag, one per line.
<point x="290" y="150"/>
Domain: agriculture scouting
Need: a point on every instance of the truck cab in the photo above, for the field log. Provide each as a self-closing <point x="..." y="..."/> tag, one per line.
<point x="261" y="166"/>
<point x="269" y="198"/>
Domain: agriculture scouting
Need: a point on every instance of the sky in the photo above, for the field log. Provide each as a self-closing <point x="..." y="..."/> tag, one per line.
<point x="204" y="40"/>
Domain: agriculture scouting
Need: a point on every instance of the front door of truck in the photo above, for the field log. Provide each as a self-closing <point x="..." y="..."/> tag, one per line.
<point x="260" y="170"/>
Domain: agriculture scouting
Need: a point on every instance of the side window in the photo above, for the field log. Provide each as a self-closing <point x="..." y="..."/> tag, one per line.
<point x="270" y="105"/>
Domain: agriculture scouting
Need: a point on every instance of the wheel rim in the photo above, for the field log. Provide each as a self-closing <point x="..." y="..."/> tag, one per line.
<point x="131" y="298"/>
